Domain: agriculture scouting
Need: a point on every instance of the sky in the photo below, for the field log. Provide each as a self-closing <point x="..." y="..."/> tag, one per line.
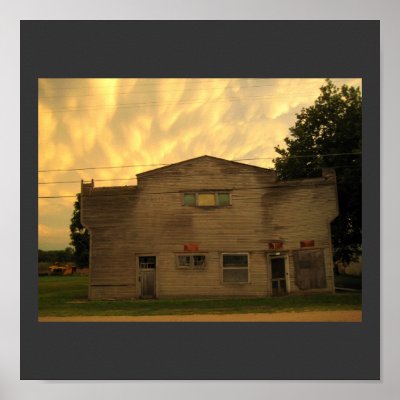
<point x="86" y="123"/>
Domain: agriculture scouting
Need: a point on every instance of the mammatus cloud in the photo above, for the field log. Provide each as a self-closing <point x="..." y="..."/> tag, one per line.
<point x="53" y="237"/>
<point x="111" y="122"/>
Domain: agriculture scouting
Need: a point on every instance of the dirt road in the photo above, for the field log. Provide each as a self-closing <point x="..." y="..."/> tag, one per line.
<point x="308" y="316"/>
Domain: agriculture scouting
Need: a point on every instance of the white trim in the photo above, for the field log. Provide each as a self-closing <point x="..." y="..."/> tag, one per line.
<point x="191" y="267"/>
<point x="285" y="256"/>
<point x="213" y="192"/>
<point x="222" y="267"/>
<point x="138" y="282"/>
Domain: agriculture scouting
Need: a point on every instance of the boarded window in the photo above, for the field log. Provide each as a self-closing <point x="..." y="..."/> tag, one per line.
<point x="235" y="268"/>
<point x="223" y="199"/>
<point x="191" y="261"/>
<point x="206" y="199"/>
<point x="210" y="199"/>
<point x="310" y="269"/>
<point x="189" y="199"/>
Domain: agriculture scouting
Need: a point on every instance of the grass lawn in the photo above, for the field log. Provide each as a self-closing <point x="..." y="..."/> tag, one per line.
<point x="67" y="296"/>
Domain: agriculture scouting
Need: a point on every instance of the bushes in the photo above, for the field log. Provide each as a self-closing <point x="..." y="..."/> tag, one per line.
<point x="53" y="256"/>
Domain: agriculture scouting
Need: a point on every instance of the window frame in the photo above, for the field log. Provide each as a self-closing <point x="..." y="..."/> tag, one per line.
<point x="213" y="192"/>
<point x="191" y="266"/>
<point x="235" y="268"/>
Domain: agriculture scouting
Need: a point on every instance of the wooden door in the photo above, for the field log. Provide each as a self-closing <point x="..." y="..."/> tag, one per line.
<point x="278" y="276"/>
<point x="147" y="276"/>
<point x="310" y="269"/>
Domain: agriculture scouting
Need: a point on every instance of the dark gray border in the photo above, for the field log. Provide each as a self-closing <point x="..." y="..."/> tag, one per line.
<point x="200" y="49"/>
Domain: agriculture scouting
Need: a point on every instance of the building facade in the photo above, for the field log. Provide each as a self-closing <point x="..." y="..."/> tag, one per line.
<point x="210" y="227"/>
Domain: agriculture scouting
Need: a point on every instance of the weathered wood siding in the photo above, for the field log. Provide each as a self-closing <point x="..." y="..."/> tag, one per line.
<point x="108" y="213"/>
<point x="151" y="219"/>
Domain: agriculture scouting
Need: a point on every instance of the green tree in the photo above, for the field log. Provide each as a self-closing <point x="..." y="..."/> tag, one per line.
<point x="79" y="236"/>
<point x="320" y="136"/>
<point x="53" y="256"/>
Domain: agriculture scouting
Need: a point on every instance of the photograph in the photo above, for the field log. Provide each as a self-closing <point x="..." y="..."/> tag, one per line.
<point x="200" y="199"/>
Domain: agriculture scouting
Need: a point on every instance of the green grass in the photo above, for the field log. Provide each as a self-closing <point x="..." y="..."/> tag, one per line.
<point x="67" y="296"/>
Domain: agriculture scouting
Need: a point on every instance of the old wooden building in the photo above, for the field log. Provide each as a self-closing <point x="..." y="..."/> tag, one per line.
<point x="210" y="227"/>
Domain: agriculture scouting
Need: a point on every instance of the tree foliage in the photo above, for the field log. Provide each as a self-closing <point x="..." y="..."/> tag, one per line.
<point x="79" y="236"/>
<point x="320" y="136"/>
<point x="53" y="256"/>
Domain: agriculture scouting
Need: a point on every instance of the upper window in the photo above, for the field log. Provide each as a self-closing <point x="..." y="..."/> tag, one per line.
<point x="235" y="268"/>
<point x="189" y="199"/>
<point x="191" y="261"/>
<point x="204" y="199"/>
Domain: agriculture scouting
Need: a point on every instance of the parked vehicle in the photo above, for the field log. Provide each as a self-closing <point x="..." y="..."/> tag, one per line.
<point x="62" y="269"/>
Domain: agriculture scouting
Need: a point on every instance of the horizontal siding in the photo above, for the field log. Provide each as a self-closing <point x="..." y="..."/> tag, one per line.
<point x="150" y="219"/>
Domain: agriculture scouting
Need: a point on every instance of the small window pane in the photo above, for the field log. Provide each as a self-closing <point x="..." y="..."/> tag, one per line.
<point x="146" y="262"/>
<point x="189" y="199"/>
<point x="234" y="260"/>
<point x="184" y="261"/>
<point x="206" y="199"/>
<point x="278" y="267"/>
<point x="223" y="199"/>
<point x="235" y="275"/>
<point x="199" y="261"/>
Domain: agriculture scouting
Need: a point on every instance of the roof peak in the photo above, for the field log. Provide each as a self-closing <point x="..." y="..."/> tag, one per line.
<point x="200" y="157"/>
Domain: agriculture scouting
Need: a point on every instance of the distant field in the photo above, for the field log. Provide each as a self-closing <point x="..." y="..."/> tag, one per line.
<point x="67" y="296"/>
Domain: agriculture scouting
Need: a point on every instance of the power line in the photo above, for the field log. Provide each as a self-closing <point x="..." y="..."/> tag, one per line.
<point x="158" y="91"/>
<point x="120" y="166"/>
<point x="189" y="80"/>
<point x="97" y="180"/>
<point x="53" y="197"/>
<point x="158" y="165"/>
<point x="140" y="105"/>
<point x="301" y="156"/>
<point x="284" y="185"/>
<point x="131" y="179"/>
<point x="192" y="80"/>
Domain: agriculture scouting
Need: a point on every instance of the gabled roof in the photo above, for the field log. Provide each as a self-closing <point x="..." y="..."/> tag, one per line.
<point x="191" y="160"/>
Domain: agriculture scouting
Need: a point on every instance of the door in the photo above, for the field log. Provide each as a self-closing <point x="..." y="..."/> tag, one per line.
<point x="147" y="276"/>
<point x="310" y="269"/>
<point x="278" y="276"/>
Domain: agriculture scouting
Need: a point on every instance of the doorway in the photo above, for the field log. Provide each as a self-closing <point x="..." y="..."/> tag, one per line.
<point x="278" y="275"/>
<point x="147" y="276"/>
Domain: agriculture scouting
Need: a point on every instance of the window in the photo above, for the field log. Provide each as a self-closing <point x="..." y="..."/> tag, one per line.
<point x="235" y="268"/>
<point x="207" y="199"/>
<point x="223" y="199"/>
<point x="191" y="261"/>
<point x="189" y="199"/>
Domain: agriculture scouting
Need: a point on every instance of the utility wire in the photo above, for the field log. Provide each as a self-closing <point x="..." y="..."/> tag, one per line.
<point x="189" y="80"/>
<point x="159" y="165"/>
<point x="147" y="104"/>
<point x="120" y="166"/>
<point x="192" y="80"/>
<point x="158" y="91"/>
<point x="97" y="180"/>
<point x="275" y="186"/>
<point x="131" y="179"/>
